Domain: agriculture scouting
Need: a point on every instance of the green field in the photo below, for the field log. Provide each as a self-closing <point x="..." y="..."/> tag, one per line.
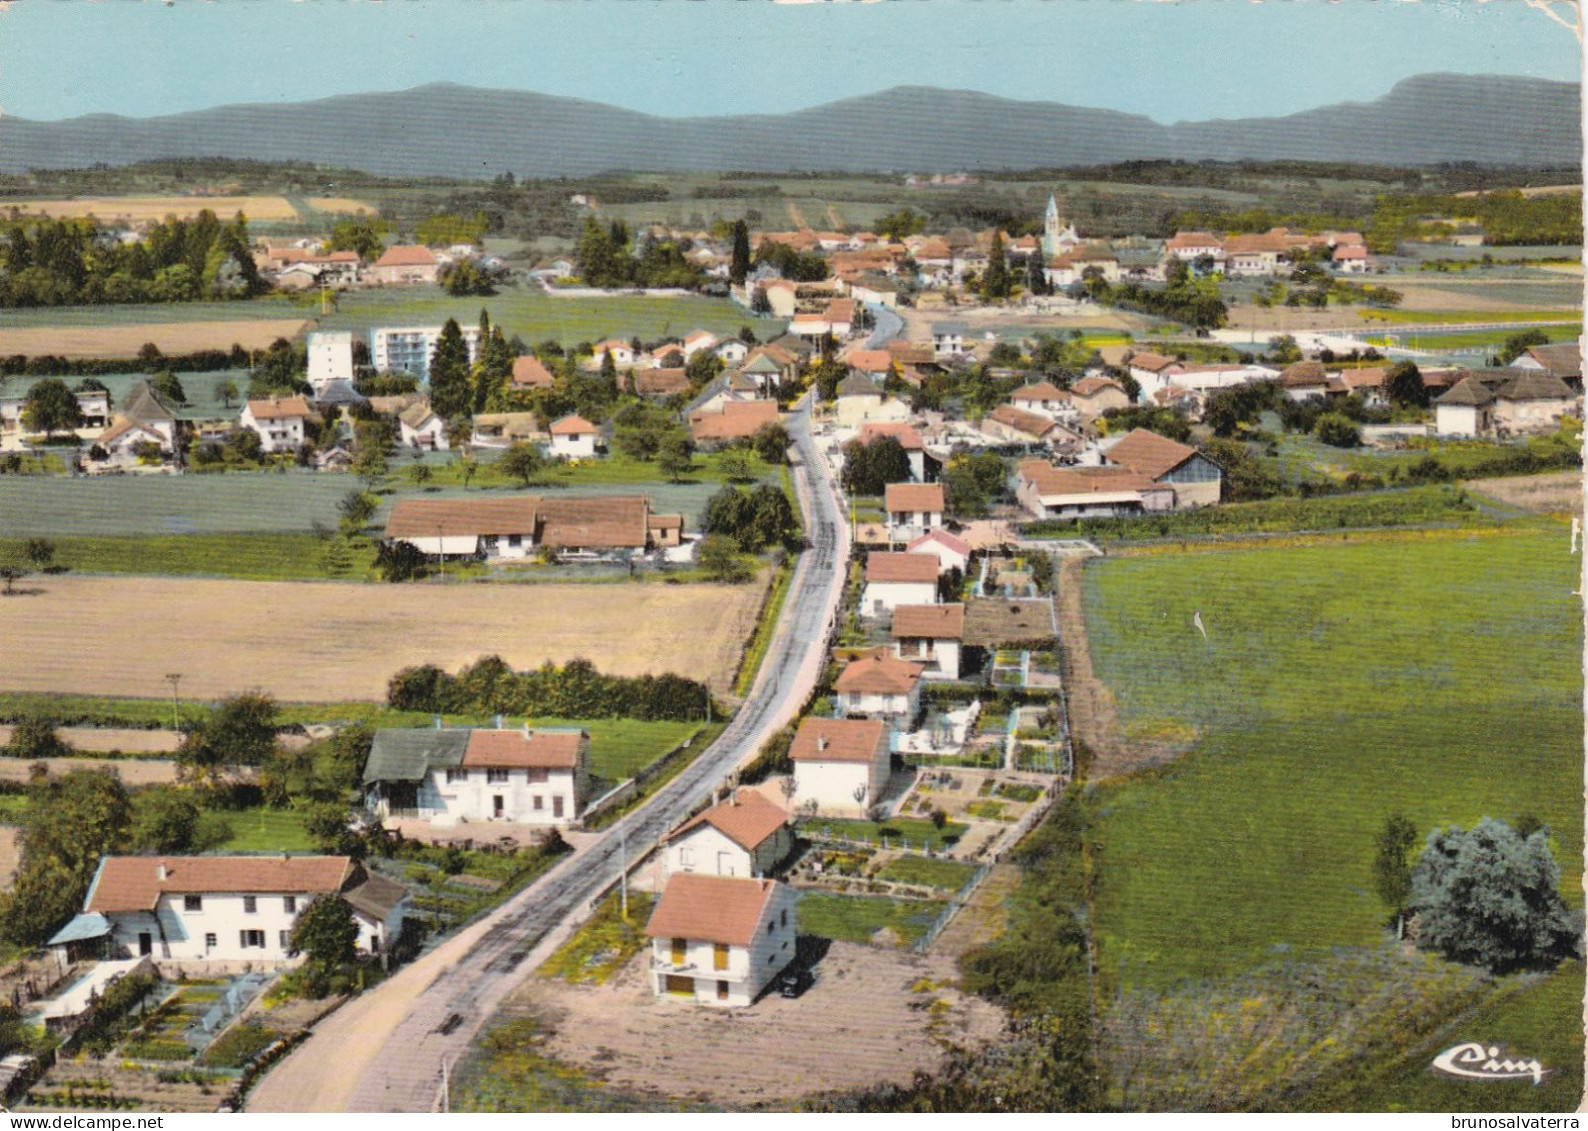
<point x="855" y="918"/>
<point x="1462" y="317"/>
<point x="252" y="557"/>
<point x="1530" y="1018"/>
<point x="911" y="830"/>
<point x="258" y="502"/>
<point x="1476" y="339"/>
<point x="1337" y="684"/>
<point x="524" y="310"/>
<point x="533" y="315"/>
<point x="266" y="830"/>
<point x="929" y="872"/>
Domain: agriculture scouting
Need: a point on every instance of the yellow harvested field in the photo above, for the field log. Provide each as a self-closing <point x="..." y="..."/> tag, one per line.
<point x="1559" y="492"/>
<point x="327" y="642"/>
<point x="141" y="209"/>
<point x="339" y="204"/>
<point x="124" y="341"/>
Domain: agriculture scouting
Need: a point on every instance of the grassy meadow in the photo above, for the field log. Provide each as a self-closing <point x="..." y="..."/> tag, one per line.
<point x="1338" y="684"/>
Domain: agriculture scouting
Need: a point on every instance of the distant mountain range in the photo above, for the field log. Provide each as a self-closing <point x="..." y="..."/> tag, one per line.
<point x="457" y="131"/>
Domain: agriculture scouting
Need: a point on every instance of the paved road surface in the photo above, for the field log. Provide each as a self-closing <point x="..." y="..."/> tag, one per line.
<point x="395" y="1043"/>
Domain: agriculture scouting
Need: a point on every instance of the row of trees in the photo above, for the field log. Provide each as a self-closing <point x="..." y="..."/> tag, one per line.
<point x="70" y="262"/>
<point x="574" y="691"/>
<point x="610" y="257"/>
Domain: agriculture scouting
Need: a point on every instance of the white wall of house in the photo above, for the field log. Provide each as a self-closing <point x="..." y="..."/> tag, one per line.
<point x="897" y="709"/>
<point x="707" y="851"/>
<point x="832" y="785"/>
<point x="885" y="596"/>
<point x="1530" y="416"/>
<point x="720" y="975"/>
<point x="524" y="797"/>
<point x="940" y="657"/>
<point x="433" y="435"/>
<point x="581" y="445"/>
<point x="279" y="434"/>
<point x="947" y="558"/>
<point x="222" y="928"/>
<point x="1461" y="420"/>
<point x="907" y="526"/>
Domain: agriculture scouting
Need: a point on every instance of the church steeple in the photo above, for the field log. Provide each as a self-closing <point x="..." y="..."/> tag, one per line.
<point x="1056" y="234"/>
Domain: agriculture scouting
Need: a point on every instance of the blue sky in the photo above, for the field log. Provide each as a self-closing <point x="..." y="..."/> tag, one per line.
<point x="1171" y="61"/>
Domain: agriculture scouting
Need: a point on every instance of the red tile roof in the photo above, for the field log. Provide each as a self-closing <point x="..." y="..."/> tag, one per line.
<point x="1149" y="454"/>
<point x="407" y="256"/>
<point x="279" y="408"/>
<point x="1052" y="481"/>
<point x="735" y="420"/>
<point x="878" y="674"/>
<point x="838" y="740"/>
<point x="133" y="883"/>
<point x="595" y="522"/>
<point x="1022" y="421"/>
<point x="909" y="439"/>
<point x="531" y="373"/>
<point x="933" y="622"/>
<point x="572" y="425"/>
<point x="943" y="538"/>
<point x="715" y="909"/>
<point x="1039" y="391"/>
<point x="515" y="750"/>
<point x="884" y="568"/>
<point x="431" y="518"/>
<point x="748" y="819"/>
<point x="927" y="497"/>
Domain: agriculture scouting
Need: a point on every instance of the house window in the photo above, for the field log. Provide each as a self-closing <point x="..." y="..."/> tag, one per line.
<point x="211" y="940"/>
<point x="785" y="916"/>
<point x="248" y="939"/>
<point x="680" y="947"/>
<point x="495" y="776"/>
<point x="289" y="904"/>
<point x="285" y="938"/>
<point x="769" y="926"/>
<point x="556" y="806"/>
<point x="250" y="906"/>
<point x="192" y="903"/>
<point x="722" y="990"/>
<point x="537" y="803"/>
<point x="515" y="540"/>
<point x="719" y="956"/>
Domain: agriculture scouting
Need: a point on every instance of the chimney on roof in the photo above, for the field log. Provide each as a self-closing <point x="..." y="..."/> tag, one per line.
<point x="162" y="873"/>
<point x="821" y="742"/>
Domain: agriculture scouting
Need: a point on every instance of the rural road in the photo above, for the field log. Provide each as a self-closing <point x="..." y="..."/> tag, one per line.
<point x="385" y="1050"/>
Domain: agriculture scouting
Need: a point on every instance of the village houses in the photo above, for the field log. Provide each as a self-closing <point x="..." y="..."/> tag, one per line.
<point x="718" y="940"/>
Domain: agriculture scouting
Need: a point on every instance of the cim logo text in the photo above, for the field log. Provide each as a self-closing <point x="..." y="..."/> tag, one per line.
<point x="1473" y="1061"/>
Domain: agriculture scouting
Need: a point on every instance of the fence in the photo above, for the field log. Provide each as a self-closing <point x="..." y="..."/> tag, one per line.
<point x="956" y="903"/>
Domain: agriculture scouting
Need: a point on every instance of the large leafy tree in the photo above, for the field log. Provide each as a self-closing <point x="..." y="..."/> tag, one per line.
<point x="869" y="468"/>
<point x="239" y="732"/>
<point x="995" y="281"/>
<point x="50" y="407"/>
<point x="1403" y="384"/>
<point x="326" y="933"/>
<point x="450" y="391"/>
<point x="1490" y="897"/>
<point x="73" y="821"/>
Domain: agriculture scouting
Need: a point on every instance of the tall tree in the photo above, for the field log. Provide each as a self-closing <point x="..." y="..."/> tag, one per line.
<point x="241" y="731"/>
<point x="450" y="392"/>
<point x="72" y="822"/>
<point x="1403" y="385"/>
<point x="739" y="261"/>
<point x="995" y="280"/>
<point x="1392" y="865"/>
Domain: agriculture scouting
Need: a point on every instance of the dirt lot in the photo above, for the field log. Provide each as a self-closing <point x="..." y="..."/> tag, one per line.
<point x="9" y="854"/>
<point x="860" y="1024"/>
<point x="321" y="642"/>
<point x="132" y="771"/>
<point x="339" y="204"/>
<point x="100" y="739"/>
<point x="137" y="209"/>
<point x="125" y="341"/>
<point x="1557" y="493"/>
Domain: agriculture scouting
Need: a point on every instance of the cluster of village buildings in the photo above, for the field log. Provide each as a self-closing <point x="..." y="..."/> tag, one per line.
<point x="724" y="926"/>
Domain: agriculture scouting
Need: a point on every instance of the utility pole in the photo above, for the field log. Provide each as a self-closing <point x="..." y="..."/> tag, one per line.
<point x="623" y="874"/>
<point x="174" y="678"/>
